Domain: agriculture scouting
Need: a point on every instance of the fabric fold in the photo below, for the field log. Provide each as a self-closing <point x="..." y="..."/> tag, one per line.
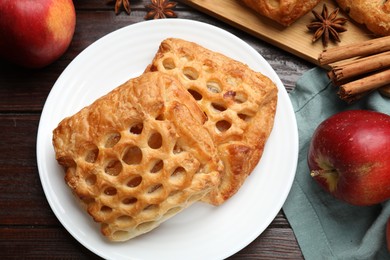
<point x="327" y="228"/>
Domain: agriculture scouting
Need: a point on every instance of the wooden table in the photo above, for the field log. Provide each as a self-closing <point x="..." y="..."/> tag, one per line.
<point x="28" y="227"/>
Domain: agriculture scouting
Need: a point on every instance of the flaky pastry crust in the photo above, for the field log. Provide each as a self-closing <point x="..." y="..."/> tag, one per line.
<point x="285" y="12"/>
<point x="239" y="103"/>
<point x="138" y="155"/>
<point x="375" y="14"/>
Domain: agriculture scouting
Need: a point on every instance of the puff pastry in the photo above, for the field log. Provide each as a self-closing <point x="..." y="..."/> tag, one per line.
<point x="138" y="155"/>
<point x="285" y="12"/>
<point x="375" y="14"/>
<point x="239" y="103"/>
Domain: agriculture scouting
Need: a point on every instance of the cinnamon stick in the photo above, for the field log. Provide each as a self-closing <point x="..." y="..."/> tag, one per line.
<point x="362" y="66"/>
<point x="385" y="90"/>
<point x="365" y="84"/>
<point x="348" y="51"/>
<point x="352" y="99"/>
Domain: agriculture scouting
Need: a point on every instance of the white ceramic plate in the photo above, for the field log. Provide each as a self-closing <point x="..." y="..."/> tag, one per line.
<point x="201" y="231"/>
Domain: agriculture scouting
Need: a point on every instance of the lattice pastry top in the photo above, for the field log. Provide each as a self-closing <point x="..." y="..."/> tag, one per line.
<point x="239" y="103"/>
<point x="138" y="155"/>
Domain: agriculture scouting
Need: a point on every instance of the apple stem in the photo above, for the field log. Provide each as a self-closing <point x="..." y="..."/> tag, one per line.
<point x="314" y="173"/>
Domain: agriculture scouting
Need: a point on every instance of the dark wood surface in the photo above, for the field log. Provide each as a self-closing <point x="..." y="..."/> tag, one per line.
<point x="28" y="227"/>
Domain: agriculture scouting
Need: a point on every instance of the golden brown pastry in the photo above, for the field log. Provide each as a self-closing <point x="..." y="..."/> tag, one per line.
<point x="239" y="103"/>
<point x="138" y="155"/>
<point x="284" y="12"/>
<point x="375" y="14"/>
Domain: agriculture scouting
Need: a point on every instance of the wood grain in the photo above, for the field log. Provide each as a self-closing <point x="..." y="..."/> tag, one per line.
<point x="295" y="39"/>
<point x="28" y="227"/>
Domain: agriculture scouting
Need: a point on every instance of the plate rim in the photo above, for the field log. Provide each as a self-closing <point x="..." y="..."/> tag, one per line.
<point x="293" y="131"/>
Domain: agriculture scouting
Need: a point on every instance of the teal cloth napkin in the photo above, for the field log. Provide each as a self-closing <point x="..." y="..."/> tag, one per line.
<point x="325" y="227"/>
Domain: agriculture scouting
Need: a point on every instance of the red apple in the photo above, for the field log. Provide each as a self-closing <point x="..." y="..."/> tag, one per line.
<point x="35" y="33"/>
<point x="388" y="234"/>
<point x="349" y="156"/>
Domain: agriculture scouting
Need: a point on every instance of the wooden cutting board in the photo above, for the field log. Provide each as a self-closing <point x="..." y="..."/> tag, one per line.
<point x="295" y="39"/>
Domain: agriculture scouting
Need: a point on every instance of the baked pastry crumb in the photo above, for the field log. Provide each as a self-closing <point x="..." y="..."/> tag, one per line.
<point x="374" y="14"/>
<point x="138" y="155"/>
<point x="239" y="103"/>
<point x="285" y="12"/>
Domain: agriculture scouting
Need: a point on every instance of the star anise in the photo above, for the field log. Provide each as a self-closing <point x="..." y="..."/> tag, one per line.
<point x="328" y="26"/>
<point x="160" y="9"/>
<point x="119" y="3"/>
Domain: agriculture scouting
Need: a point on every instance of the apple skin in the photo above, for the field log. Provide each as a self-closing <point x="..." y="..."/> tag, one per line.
<point x="349" y="156"/>
<point x="34" y="34"/>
